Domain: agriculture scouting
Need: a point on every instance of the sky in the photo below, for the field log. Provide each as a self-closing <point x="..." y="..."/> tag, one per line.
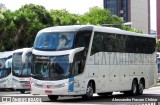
<point x="73" y="6"/>
<point x="153" y="14"/>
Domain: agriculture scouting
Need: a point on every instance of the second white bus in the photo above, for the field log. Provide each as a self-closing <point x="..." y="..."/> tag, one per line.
<point x="21" y="71"/>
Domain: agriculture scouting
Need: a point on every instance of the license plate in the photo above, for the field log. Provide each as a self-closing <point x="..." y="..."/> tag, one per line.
<point x="48" y="91"/>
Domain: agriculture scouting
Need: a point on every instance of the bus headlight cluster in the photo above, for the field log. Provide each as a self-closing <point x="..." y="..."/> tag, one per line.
<point x="62" y="85"/>
<point x="65" y="84"/>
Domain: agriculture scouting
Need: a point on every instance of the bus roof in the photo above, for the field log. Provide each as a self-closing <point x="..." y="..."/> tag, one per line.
<point x="20" y="50"/>
<point x="6" y="54"/>
<point x="94" y="28"/>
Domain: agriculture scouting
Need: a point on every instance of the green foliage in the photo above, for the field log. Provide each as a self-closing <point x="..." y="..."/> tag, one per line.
<point x="128" y="28"/>
<point x="7" y="30"/>
<point x="19" y="28"/>
<point x="158" y="45"/>
<point x="63" y="17"/>
<point x="41" y="13"/>
<point x="98" y="16"/>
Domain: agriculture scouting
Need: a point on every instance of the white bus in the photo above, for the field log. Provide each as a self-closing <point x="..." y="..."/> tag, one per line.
<point x="83" y="60"/>
<point x="5" y="70"/>
<point x="21" y="71"/>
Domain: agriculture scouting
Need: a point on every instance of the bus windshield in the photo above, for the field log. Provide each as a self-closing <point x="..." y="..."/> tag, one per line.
<point x="54" y="41"/>
<point x="3" y="70"/>
<point x="51" y="68"/>
<point x="20" y="69"/>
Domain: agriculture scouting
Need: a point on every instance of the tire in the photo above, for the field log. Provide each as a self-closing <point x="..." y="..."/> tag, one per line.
<point x="22" y="91"/>
<point x="140" y="88"/>
<point x="12" y="89"/>
<point x="52" y="97"/>
<point x="134" y="90"/>
<point x="105" y="94"/>
<point x="89" y="91"/>
<point x="127" y="92"/>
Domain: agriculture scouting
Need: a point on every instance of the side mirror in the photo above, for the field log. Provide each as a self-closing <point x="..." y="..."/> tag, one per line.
<point x="71" y="55"/>
<point x="8" y="63"/>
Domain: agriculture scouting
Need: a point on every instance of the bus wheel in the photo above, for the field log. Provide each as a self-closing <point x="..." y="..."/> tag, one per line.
<point x="12" y="89"/>
<point x="89" y="91"/>
<point x="134" y="89"/>
<point x="140" y="88"/>
<point x="22" y="91"/>
<point x="52" y="97"/>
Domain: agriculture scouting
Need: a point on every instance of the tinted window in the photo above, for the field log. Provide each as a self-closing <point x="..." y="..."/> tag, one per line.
<point x="83" y="39"/>
<point x="97" y="44"/>
<point x="109" y="42"/>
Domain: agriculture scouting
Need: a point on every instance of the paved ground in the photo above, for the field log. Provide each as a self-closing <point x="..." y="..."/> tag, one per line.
<point x="152" y="93"/>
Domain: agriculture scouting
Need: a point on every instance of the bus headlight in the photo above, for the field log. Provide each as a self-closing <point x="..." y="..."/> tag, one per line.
<point x="62" y="85"/>
<point x="65" y="84"/>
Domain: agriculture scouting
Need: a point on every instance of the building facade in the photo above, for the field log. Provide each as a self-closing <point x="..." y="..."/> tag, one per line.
<point x="135" y="11"/>
<point x="119" y="8"/>
<point x="158" y="19"/>
<point x="2" y="6"/>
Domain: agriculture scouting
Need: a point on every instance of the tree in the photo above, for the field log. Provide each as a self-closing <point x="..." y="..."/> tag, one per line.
<point x="7" y="30"/>
<point x="42" y="14"/>
<point x="19" y="28"/>
<point x="63" y="17"/>
<point x="98" y="16"/>
<point x="29" y="20"/>
<point x="158" y="45"/>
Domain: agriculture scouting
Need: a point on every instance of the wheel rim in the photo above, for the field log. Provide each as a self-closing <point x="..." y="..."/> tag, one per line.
<point x="134" y="88"/>
<point x="141" y="88"/>
<point x="89" y="91"/>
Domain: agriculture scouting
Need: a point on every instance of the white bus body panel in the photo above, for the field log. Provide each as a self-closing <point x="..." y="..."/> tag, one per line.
<point x="116" y="71"/>
<point x="6" y="83"/>
<point x="21" y="82"/>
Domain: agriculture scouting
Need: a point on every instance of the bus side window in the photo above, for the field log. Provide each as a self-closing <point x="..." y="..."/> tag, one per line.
<point x="78" y="67"/>
<point x="109" y="42"/>
<point x="78" y="64"/>
<point x="97" y="44"/>
<point x="83" y="39"/>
